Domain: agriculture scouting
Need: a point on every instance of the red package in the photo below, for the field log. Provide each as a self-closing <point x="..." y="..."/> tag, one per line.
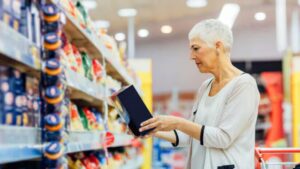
<point x="97" y="70"/>
<point x="78" y="60"/>
<point x="90" y="117"/>
<point x="90" y="163"/>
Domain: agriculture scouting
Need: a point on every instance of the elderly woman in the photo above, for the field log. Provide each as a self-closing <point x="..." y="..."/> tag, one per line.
<point x="221" y="132"/>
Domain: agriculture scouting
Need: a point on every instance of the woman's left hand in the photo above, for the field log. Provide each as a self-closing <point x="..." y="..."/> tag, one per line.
<point x="160" y="123"/>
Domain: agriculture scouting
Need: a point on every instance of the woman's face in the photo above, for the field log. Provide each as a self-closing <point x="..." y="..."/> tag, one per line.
<point x="205" y="57"/>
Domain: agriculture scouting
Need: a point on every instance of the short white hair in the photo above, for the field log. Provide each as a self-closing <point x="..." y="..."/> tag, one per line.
<point x="211" y="31"/>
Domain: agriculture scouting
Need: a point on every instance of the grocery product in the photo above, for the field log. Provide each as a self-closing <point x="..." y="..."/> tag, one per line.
<point x="76" y="124"/>
<point x="97" y="70"/>
<point x="52" y="41"/>
<point x="78" y="61"/>
<point x="87" y="65"/>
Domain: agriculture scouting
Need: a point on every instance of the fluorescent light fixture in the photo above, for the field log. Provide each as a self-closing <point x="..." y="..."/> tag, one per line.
<point x="229" y="13"/>
<point x="120" y="36"/>
<point x="101" y="24"/>
<point x="89" y="4"/>
<point x="260" y="16"/>
<point x="281" y="25"/>
<point x="166" y="29"/>
<point x="143" y="33"/>
<point x="196" y="3"/>
<point x="127" y="12"/>
<point x="295" y="29"/>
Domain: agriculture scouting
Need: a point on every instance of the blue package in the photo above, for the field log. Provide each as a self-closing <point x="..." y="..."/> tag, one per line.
<point x="18" y="82"/>
<point x="36" y="105"/>
<point x="8" y="108"/>
<point x="8" y="99"/>
<point x="53" y="135"/>
<point x="5" y="85"/>
<point x="24" y="21"/>
<point x="8" y="117"/>
<point x="35" y="25"/>
<point x="18" y="110"/>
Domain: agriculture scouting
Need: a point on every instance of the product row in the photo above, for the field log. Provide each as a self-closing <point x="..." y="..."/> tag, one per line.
<point x="20" y="105"/>
<point x="114" y="158"/>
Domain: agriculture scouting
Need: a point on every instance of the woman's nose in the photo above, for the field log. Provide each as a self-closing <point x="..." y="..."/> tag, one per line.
<point x="192" y="56"/>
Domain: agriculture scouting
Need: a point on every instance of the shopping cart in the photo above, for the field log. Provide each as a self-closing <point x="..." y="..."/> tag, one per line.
<point x="265" y="165"/>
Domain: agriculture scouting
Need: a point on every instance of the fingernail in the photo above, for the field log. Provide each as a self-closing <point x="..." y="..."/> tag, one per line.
<point x="140" y="130"/>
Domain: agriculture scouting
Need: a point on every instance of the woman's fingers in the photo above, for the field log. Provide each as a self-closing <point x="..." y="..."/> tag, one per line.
<point x="149" y="126"/>
<point x="152" y="120"/>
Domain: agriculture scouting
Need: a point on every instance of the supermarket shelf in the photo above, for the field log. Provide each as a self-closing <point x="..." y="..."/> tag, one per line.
<point x="122" y="140"/>
<point x="84" y="89"/>
<point x="24" y="143"/>
<point x="19" y="143"/>
<point x="95" y="47"/>
<point x="85" y="141"/>
<point x="134" y="163"/>
<point x="23" y="54"/>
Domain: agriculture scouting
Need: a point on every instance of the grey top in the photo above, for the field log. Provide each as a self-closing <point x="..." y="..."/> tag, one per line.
<point x="229" y="117"/>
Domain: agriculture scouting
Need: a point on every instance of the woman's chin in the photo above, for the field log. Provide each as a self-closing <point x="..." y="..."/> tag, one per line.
<point x="202" y="70"/>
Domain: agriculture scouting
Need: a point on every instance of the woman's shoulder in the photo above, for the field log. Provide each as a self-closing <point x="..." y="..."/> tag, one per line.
<point x="246" y="78"/>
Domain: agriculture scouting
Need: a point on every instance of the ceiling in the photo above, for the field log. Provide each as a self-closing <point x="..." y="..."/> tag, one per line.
<point x="152" y="14"/>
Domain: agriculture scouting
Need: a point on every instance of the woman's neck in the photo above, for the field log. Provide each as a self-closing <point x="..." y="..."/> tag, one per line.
<point x="224" y="70"/>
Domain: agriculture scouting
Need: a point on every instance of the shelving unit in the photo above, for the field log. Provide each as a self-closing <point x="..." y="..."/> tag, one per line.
<point x="83" y="89"/>
<point x="23" y="54"/>
<point x="26" y="57"/>
<point x="24" y="143"/>
<point x="77" y="144"/>
<point x="19" y="143"/>
<point x="95" y="47"/>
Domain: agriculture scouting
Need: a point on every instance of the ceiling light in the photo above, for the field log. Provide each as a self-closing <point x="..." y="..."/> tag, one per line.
<point x="120" y="36"/>
<point x="196" y="3"/>
<point x="229" y="13"/>
<point x="127" y="12"/>
<point x="143" y="33"/>
<point x="89" y="4"/>
<point x="102" y="24"/>
<point x="260" y="16"/>
<point x="166" y="29"/>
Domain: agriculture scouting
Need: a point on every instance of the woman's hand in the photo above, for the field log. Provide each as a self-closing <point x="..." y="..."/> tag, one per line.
<point x="160" y="123"/>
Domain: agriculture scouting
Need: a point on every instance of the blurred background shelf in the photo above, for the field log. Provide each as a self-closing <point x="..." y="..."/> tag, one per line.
<point x="19" y="143"/>
<point x="23" y="54"/>
<point x="135" y="163"/>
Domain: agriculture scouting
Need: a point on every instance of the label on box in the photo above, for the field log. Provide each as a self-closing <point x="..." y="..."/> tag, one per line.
<point x="8" y="118"/>
<point x="16" y="8"/>
<point x="9" y="99"/>
<point x="7" y="5"/>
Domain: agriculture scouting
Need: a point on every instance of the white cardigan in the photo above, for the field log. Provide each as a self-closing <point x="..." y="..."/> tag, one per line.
<point x="228" y="136"/>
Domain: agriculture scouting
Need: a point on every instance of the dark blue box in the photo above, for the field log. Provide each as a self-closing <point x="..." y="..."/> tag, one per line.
<point x="132" y="109"/>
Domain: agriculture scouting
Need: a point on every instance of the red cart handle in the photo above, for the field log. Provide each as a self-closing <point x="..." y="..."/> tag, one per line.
<point x="276" y="150"/>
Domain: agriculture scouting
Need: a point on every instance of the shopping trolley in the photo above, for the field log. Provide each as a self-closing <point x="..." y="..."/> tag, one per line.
<point x="264" y="165"/>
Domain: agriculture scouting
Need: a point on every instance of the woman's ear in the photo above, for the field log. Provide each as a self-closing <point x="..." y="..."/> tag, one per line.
<point x="219" y="45"/>
<point x="218" y="48"/>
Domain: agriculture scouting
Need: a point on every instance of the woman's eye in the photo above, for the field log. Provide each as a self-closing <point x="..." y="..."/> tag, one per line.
<point x="196" y="49"/>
